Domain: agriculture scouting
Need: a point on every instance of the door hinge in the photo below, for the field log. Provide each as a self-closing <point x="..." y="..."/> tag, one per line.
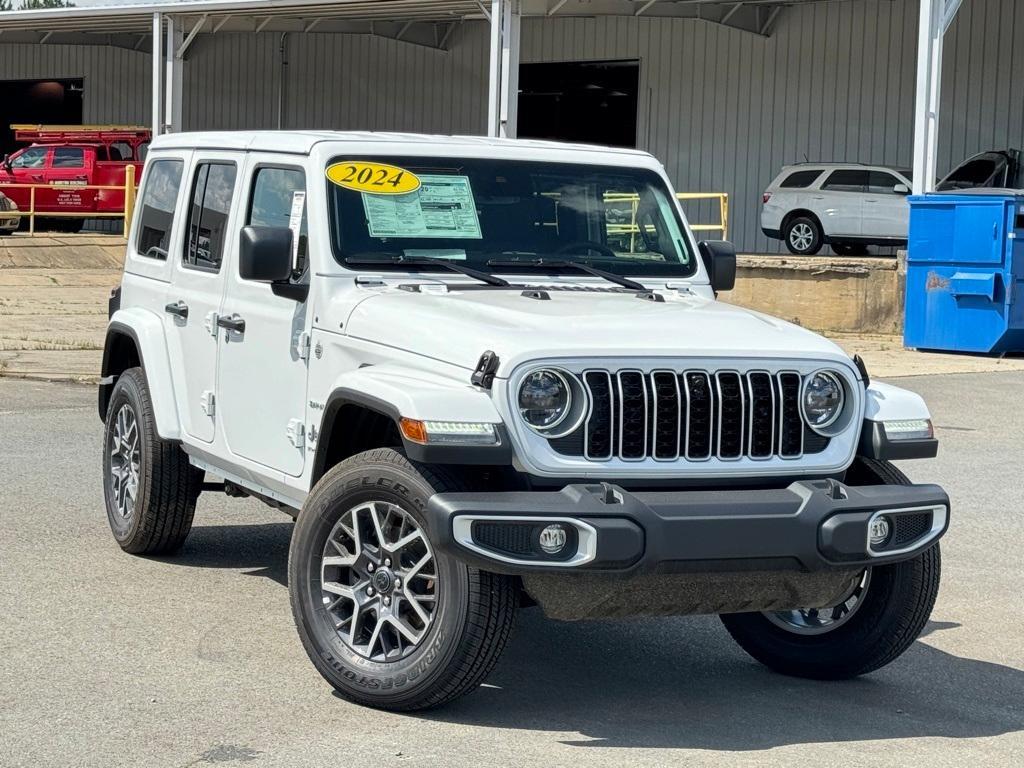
<point x="210" y="323"/>
<point x="303" y="346"/>
<point x="208" y="402"/>
<point x="296" y="432"/>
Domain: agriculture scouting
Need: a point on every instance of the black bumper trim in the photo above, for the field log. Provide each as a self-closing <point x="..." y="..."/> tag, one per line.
<point x="687" y="531"/>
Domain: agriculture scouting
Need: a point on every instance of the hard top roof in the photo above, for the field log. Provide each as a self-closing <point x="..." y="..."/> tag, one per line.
<point x="303" y="142"/>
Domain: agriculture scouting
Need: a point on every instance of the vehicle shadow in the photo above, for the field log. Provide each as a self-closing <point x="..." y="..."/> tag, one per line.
<point x="261" y="547"/>
<point x="683" y="683"/>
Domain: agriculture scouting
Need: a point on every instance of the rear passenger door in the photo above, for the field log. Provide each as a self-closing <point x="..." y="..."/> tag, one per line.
<point x="842" y="202"/>
<point x="263" y="366"/>
<point x="194" y="297"/>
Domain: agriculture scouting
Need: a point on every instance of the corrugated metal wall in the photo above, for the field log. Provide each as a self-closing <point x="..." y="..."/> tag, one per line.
<point x="722" y="108"/>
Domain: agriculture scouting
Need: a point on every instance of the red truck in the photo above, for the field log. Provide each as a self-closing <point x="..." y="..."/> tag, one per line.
<point x="71" y="158"/>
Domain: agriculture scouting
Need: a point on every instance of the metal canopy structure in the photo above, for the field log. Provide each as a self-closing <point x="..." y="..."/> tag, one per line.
<point x="170" y="28"/>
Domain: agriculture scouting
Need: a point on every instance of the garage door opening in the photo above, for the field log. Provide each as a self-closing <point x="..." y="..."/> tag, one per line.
<point x="54" y="102"/>
<point x="594" y="102"/>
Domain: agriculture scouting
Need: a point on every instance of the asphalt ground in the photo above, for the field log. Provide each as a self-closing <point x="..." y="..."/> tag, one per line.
<point x="113" y="660"/>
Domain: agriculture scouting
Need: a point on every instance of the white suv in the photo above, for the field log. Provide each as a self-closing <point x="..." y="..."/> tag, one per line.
<point x="845" y="205"/>
<point x="482" y="374"/>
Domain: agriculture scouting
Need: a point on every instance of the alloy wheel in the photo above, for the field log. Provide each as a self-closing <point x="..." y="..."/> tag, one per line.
<point x="818" y="621"/>
<point x="801" y="236"/>
<point x="379" y="583"/>
<point x="125" y="461"/>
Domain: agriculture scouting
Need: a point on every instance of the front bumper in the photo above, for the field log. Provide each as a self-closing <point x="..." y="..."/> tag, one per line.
<point x="810" y="526"/>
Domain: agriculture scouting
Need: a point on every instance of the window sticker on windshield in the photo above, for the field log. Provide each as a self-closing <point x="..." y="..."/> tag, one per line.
<point x="443" y="207"/>
<point x="295" y="221"/>
<point x="373" y="178"/>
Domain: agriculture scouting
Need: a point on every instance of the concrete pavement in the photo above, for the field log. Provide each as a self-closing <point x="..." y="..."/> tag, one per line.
<point x="112" y="660"/>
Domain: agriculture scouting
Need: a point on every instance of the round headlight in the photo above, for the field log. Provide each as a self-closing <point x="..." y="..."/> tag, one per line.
<point x="823" y="399"/>
<point x="545" y="398"/>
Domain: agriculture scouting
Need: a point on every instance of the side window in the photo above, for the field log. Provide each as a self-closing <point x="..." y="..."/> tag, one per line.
<point x="800" y="179"/>
<point x="212" y="188"/>
<point x="33" y="157"/>
<point x="847" y="181"/>
<point x="161" y="183"/>
<point x="881" y="183"/>
<point x="278" y="199"/>
<point x="68" y="157"/>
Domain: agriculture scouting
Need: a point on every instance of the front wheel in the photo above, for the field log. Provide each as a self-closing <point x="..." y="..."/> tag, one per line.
<point x="388" y="620"/>
<point x="879" y="617"/>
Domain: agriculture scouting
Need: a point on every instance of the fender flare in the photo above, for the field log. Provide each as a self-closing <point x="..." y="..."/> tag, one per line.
<point x="884" y="402"/>
<point x="393" y="394"/>
<point x="147" y="333"/>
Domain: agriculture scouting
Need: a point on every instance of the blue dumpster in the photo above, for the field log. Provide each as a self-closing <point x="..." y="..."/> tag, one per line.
<point x="965" y="272"/>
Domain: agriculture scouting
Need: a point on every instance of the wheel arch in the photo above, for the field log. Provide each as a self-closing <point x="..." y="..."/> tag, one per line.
<point x="797" y="213"/>
<point x="374" y="424"/>
<point x="136" y="338"/>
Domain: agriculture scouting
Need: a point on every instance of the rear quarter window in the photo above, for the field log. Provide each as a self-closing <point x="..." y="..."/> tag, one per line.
<point x="800" y="179"/>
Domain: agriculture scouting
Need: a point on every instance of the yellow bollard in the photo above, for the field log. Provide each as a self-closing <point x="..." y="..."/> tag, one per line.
<point x="129" y="197"/>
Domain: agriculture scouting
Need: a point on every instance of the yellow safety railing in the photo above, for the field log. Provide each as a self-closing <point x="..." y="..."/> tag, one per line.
<point x="723" y="211"/>
<point x="129" y="188"/>
<point x="632" y="228"/>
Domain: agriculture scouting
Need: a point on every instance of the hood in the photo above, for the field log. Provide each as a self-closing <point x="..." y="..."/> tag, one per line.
<point x="458" y="326"/>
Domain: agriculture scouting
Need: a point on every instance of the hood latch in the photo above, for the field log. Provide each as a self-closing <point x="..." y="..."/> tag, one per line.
<point x="486" y="368"/>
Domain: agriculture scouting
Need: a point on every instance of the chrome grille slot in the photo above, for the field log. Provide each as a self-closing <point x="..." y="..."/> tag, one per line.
<point x="693" y="415"/>
<point x="700" y="411"/>
<point x="791" y="424"/>
<point x="729" y="389"/>
<point x="632" y="415"/>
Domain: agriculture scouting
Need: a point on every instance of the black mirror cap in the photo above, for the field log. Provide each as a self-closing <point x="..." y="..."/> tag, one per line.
<point x="719" y="259"/>
<point x="265" y="254"/>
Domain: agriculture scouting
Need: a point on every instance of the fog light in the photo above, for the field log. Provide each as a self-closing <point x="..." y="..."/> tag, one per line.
<point x="878" y="532"/>
<point x="552" y="539"/>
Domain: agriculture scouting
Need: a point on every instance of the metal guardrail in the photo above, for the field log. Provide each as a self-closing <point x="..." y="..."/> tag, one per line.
<point x="129" y="188"/>
<point x="632" y="228"/>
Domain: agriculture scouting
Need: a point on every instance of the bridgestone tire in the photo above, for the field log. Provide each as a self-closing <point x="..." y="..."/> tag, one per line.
<point x="474" y="613"/>
<point x="895" y="609"/>
<point x="168" y="485"/>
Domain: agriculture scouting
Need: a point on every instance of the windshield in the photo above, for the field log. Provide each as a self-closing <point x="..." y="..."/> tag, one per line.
<point x="486" y="214"/>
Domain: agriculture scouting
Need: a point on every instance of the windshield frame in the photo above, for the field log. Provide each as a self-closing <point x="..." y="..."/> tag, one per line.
<point x="685" y="245"/>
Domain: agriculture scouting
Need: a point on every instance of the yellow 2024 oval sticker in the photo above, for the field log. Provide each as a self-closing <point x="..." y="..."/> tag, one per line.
<point x="375" y="178"/>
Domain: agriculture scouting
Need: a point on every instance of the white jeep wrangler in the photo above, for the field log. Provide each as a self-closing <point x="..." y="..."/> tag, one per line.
<point x="482" y="374"/>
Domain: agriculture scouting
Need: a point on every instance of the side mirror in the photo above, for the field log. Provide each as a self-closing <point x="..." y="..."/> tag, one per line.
<point x="719" y="259"/>
<point x="7" y="164"/>
<point x="901" y="189"/>
<point x="265" y="254"/>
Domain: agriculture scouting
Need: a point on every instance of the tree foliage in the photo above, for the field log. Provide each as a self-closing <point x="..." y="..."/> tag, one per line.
<point x="31" y="5"/>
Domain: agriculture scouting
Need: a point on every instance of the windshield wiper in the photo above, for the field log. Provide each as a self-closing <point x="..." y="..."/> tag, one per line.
<point x="427" y="261"/>
<point x="611" y="277"/>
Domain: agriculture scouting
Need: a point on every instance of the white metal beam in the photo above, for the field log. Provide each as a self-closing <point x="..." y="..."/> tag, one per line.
<point x="447" y="34"/>
<point x="766" y="28"/>
<point x="196" y="29"/>
<point x="220" y="24"/>
<point x="510" y="70"/>
<point x="730" y="13"/>
<point x="949" y="13"/>
<point x="927" y="95"/>
<point x="494" y="68"/>
<point x="644" y="7"/>
<point x="262" y="24"/>
<point x="173" y="70"/>
<point x="158" y="74"/>
<point x="556" y="7"/>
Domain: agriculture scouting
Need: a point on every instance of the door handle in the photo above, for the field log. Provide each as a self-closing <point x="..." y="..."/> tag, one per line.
<point x="177" y="308"/>
<point x="232" y="323"/>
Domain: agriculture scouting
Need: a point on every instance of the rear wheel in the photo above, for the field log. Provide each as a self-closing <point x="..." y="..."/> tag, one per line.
<point x="388" y="620"/>
<point x="879" y="617"/>
<point x="149" y="486"/>
<point x="803" y="236"/>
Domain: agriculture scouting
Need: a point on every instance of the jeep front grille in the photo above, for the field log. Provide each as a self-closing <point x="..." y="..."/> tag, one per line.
<point x="693" y="415"/>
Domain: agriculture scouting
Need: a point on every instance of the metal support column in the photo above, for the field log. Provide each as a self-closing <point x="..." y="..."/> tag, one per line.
<point x="510" y="70"/>
<point x="172" y="86"/>
<point x="933" y="21"/>
<point x="494" y="70"/>
<point x="158" y="74"/>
